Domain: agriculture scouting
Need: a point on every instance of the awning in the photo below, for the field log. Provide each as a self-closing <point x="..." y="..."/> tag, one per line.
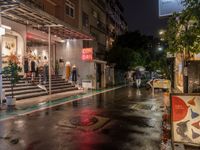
<point x="26" y="13"/>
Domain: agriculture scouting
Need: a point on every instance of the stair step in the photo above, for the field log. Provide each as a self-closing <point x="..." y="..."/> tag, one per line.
<point x="25" y="85"/>
<point x="52" y="79"/>
<point x="36" y="87"/>
<point x="60" y="87"/>
<point x="21" y="88"/>
<point x="21" y="82"/>
<point x="8" y="82"/>
<point x="64" y="90"/>
<point x="30" y="95"/>
<point x="24" y="92"/>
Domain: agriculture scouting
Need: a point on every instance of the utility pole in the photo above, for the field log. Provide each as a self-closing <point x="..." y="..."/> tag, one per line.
<point x="49" y="45"/>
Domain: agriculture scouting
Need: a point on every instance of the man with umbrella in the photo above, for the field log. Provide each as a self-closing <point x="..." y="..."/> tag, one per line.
<point x="138" y="75"/>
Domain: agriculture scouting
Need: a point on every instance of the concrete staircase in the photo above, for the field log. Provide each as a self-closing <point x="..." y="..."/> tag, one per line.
<point x="24" y="90"/>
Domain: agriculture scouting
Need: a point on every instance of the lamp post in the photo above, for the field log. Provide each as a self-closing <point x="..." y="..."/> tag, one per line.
<point x="0" y="61"/>
<point x="49" y="50"/>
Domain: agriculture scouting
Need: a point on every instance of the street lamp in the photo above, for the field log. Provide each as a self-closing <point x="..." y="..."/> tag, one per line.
<point x="161" y="32"/>
<point x="160" y="48"/>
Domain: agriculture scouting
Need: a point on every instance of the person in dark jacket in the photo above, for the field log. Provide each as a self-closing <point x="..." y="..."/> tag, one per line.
<point x="74" y="74"/>
<point x="26" y="69"/>
<point x="33" y="69"/>
<point x="138" y="78"/>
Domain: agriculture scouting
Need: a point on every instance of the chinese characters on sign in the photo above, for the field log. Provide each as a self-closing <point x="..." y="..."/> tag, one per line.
<point x="87" y="54"/>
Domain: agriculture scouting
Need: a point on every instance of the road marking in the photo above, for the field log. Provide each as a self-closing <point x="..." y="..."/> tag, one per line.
<point x="50" y="104"/>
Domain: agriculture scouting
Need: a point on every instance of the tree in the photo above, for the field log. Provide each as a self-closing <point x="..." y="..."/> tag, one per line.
<point x="12" y="71"/>
<point x="183" y="33"/>
<point x="134" y="49"/>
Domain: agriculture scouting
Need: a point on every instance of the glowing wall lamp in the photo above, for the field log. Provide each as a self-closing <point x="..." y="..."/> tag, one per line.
<point x="2" y="31"/>
<point x="6" y="27"/>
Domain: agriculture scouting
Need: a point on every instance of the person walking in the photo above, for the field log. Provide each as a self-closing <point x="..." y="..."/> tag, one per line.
<point x="138" y="78"/>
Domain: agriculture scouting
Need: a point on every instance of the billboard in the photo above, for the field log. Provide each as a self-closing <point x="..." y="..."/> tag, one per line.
<point x="186" y="118"/>
<point x="168" y="7"/>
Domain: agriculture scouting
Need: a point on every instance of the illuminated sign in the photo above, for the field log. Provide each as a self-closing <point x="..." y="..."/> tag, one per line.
<point x="87" y="54"/>
<point x="168" y="7"/>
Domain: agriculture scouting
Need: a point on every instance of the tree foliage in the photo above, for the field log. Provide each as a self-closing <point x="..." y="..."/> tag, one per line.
<point x="183" y="32"/>
<point x="134" y="49"/>
<point x="11" y="72"/>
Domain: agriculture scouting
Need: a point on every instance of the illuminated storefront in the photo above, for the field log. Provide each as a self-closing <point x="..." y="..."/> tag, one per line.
<point x="34" y="34"/>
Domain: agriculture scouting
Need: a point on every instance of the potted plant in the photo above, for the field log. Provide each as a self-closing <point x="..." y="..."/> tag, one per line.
<point x="11" y="72"/>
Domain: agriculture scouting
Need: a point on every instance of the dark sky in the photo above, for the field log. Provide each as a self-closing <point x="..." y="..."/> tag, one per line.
<point x="143" y="15"/>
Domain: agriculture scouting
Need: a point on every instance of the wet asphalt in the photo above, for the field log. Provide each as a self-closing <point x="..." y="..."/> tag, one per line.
<point x="123" y="119"/>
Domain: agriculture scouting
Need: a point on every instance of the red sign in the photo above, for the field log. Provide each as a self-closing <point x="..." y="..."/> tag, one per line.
<point x="87" y="54"/>
<point x="180" y="109"/>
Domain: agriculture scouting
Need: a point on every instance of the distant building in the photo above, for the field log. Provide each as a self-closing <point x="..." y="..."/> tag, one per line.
<point x="116" y="24"/>
<point x="88" y="29"/>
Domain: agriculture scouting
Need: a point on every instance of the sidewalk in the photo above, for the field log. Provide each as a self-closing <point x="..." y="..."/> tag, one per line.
<point x="28" y="106"/>
<point x="37" y="100"/>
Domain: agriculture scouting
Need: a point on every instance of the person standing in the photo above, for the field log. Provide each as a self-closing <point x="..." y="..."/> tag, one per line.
<point x="67" y="71"/>
<point x="26" y="67"/>
<point x="33" y="69"/>
<point x="45" y="70"/>
<point x="138" y="78"/>
<point x="74" y="74"/>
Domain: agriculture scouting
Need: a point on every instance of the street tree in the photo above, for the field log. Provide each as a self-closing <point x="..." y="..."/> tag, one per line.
<point x="134" y="49"/>
<point x="183" y="33"/>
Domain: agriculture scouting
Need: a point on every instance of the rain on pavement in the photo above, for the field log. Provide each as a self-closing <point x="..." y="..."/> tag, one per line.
<point x="122" y="119"/>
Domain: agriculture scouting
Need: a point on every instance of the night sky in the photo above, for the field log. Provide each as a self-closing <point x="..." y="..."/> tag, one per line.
<point x="143" y="15"/>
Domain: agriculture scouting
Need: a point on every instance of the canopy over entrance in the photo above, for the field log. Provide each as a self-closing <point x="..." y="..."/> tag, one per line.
<point x="26" y="13"/>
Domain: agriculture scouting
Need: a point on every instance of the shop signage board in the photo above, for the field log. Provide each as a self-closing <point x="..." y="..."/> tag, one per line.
<point x="87" y="54"/>
<point x="185" y="115"/>
<point x="168" y="7"/>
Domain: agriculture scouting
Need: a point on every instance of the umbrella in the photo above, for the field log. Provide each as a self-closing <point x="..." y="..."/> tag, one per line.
<point x="140" y="68"/>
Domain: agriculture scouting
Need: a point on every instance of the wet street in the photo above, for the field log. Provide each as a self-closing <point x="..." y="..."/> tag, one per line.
<point x="122" y="119"/>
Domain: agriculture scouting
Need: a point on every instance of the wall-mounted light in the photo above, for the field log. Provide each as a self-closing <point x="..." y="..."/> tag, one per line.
<point x="6" y="27"/>
<point x="2" y="31"/>
<point x="62" y="41"/>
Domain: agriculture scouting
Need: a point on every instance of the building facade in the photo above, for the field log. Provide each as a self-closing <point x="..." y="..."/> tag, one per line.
<point x="116" y="24"/>
<point x="74" y="26"/>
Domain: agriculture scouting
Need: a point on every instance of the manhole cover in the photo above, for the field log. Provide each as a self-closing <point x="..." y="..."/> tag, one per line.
<point x="83" y="120"/>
